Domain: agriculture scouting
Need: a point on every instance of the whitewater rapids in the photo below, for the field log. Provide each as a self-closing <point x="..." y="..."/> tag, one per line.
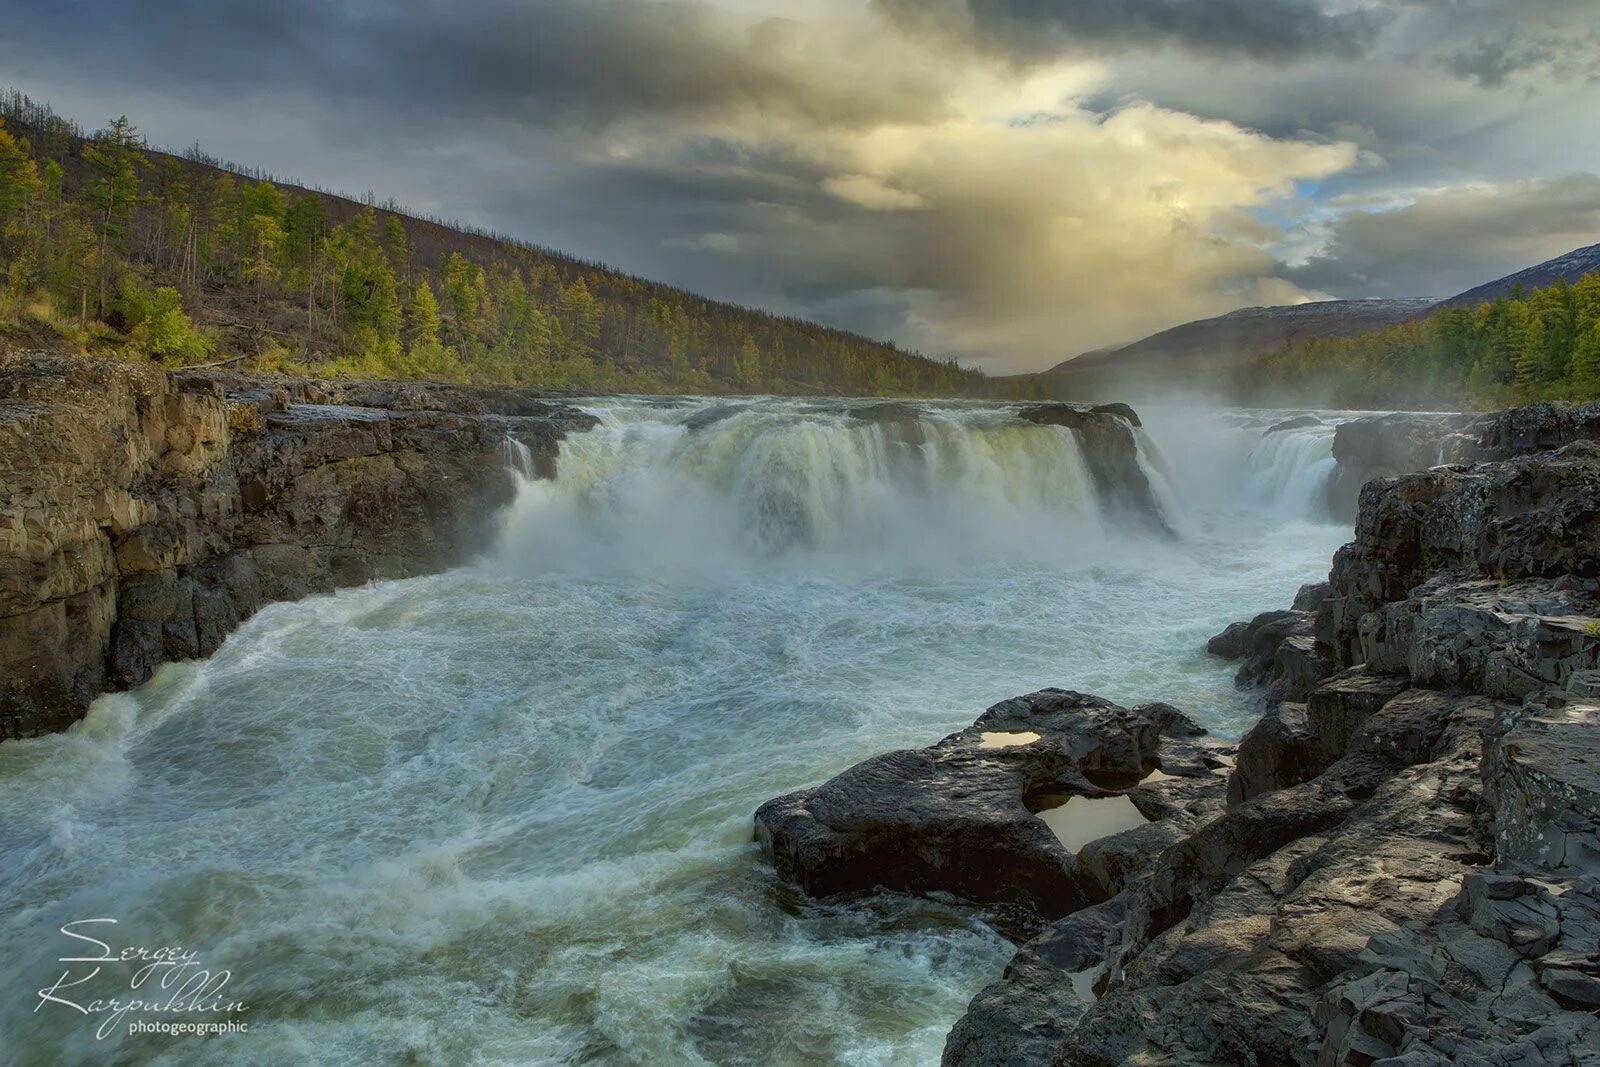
<point x="502" y="815"/>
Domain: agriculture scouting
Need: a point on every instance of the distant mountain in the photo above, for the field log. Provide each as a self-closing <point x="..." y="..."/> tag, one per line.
<point x="1196" y="352"/>
<point x="1224" y="342"/>
<point x="1572" y="266"/>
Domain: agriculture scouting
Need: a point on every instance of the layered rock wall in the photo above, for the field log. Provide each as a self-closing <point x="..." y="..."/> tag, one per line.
<point x="145" y="514"/>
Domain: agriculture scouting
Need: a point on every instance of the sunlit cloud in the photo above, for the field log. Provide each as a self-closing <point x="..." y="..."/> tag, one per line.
<point x="1006" y="181"/>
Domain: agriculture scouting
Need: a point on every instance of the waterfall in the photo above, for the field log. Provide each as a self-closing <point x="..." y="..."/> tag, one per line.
<point x="705" y="485"/>
<point x="1206" y="466"/>
<point x="1289" y="471"/>
<point x="785" y="480"/>
<point x="518" y="457"/>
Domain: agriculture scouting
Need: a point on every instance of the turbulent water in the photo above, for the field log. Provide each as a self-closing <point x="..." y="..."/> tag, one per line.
<point x="502" y="815"/>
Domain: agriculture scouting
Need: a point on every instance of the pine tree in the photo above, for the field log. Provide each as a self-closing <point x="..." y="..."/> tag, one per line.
<point x="116" y="162"/>
<point x="422" y="316"/>
<point x="19" y="177"/>
<point x="21" y="189"/>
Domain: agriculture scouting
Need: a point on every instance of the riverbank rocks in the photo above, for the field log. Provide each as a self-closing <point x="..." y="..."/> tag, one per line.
<point x="963" y="817"/>
<point x="1542" y="779"/>
<point x="146" y="513"/>
<point x="1535" y="428"/>
<point x="1379" y="446"/>
<point x="1281" y="652"/>
<point x="1382" y="446"/>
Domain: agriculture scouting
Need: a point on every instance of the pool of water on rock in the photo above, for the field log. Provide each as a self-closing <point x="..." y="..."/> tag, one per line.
<point x="503" y="814"/>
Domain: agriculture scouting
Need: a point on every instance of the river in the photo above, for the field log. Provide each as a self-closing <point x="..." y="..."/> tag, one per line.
<point x="503" y="814"/>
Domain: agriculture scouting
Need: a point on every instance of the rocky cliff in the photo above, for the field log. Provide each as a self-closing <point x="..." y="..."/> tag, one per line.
<point x="145" y="514"/>
<point x="1400" y="863"/>
<point x="1383" y="446"/>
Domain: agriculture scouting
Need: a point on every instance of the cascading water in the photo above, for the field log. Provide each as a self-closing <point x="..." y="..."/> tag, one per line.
<point x="1213" y="463"/>
<point x="1290" y="470"/>
<point x="503" y="814"/>
<point x="517" y="456"/>
<point x="779" y="484"/>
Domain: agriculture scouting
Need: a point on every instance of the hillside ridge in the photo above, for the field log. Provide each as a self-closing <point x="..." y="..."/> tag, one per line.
<point x="183" y="258"/>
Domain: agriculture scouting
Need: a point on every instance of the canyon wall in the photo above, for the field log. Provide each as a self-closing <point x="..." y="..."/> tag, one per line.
<point x="145" y="514"/>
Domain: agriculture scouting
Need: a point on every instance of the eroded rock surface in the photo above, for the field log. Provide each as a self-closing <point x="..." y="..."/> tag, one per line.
<point x="146" y="514"/>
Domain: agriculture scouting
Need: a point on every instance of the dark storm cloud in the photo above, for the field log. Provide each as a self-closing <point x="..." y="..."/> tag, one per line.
<point x="545" y="61"/>
<point x="1278" y="30"/>
<point x="1493" y="43"/>
<point x="1492" y="63"/>
<point x="1450" y="240"/>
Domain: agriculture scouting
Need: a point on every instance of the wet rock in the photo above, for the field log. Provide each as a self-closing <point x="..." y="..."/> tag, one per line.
<point x="1056" y="415"/>
<point x="1111" y="453"/>
<point x="708" y="417"/>
<point x="1381" y="446"/>
<point x="1299" y="422"/>
<point x="1281" y="653"/>
<point x="1311" y="596"/>
<point x="1022" y="1017"/>
<point x="960" y="818"/>
<point x="1237" y="640"/>
<point x="900" y="419"/>
<point x="1121" y="411"/>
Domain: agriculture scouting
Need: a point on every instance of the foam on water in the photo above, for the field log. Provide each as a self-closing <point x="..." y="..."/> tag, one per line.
<point x="503" y="814"/>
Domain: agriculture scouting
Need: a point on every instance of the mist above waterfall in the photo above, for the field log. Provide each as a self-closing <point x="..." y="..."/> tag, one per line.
<point x="692" y="489"/>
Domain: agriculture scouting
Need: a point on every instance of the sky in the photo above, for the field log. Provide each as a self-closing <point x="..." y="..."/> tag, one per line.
<point x="1009" y="182"/>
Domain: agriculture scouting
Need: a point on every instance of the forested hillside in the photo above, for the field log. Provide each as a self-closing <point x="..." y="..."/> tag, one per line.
<point x="1534" y="345"/>
<point x="107" y="245"/>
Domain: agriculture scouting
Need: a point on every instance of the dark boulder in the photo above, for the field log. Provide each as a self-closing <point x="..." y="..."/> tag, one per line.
<point x="1381" y="446"/>
<point x="1536" y="428"/>
<point x="1299" y="422"/>
<point x="1120" y="410"/>
<point x="708" y="417"/>
<point x="1019" y="1019"/>
<point x="901" y="420"/>
<point x="961" y="817"/>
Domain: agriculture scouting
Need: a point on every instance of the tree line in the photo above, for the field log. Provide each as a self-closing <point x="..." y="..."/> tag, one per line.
<point x="1528" y="346"/>
<point x="108" y="245"/>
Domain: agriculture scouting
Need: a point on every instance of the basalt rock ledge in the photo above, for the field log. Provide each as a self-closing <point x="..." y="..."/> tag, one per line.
<point x="145" y="514"/>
